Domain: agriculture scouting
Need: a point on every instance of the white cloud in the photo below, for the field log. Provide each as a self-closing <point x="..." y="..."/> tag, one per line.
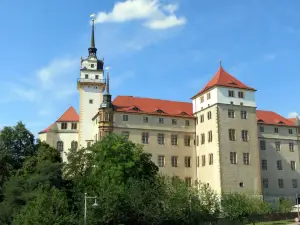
<point x="269" y="56"/>
<point x="25" y="94"/>
<point x="293" y="115"/>
<point x="156" y="14"/>
<point x="119" y="80"/>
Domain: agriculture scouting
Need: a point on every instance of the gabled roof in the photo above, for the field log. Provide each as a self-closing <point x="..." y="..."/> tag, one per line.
<point x="223" y="79"/>
<point x="68" y="116"/>
<point x="272" y="118"/>
<point x="153" y="106"/>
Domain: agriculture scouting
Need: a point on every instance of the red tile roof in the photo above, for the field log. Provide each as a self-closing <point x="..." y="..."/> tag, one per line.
<point x="152" y="106"/>
<point x="292" y="120"/>
<point x="272" y="118"/>
<point x="69" y="116"/>
<point x="223" y="79"/>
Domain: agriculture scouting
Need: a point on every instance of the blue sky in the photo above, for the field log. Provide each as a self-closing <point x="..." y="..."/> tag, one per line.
<point x="162" y="49"/>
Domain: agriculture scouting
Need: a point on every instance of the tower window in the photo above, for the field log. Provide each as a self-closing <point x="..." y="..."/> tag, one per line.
<point x="74" y="126"/>
<point x="91" y="101"/>
<point x="92" y="65"/>
<point x="64" y="126"/>
<point x="86" y="76"/>
<point x="241" y="94"/>
<point x="97" y="77"/>
<point x="230" y="93"/>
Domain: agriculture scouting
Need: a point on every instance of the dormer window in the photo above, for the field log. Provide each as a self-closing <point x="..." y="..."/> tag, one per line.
<point x="86" y="76"/>
<point x="159" y="111"/>
<point x="134" y="108"/>
<point x="183" y="113"/>
<point x="241" y="94"/>
<point x="230" y="93"/>
<point x="260" y="121"/>
<point x="280" y="122"/>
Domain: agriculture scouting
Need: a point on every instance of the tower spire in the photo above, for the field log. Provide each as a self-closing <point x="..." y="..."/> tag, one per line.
<point x="220" y="63"/>
<point x="107" y="83"/>
<point x="92" y="49"/>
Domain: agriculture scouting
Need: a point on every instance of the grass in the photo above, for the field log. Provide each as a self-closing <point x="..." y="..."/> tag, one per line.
<point x="281" y="222"/>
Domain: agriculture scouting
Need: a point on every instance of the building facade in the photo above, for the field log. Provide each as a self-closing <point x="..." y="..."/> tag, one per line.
<point x="219" y="138"/>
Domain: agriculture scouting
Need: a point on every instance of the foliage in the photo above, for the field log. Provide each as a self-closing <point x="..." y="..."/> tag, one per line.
<point x="285" y="205"/>
<point x="49" y="207"/>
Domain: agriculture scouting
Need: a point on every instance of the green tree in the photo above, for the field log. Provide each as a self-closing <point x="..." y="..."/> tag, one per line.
<point x="40" y="170"/>
<point x="49" y="207"/>
<point x="285" y="205"/>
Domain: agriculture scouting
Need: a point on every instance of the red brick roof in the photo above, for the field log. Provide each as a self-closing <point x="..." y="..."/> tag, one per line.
<point x="223" y="79"/>
<point x="272" y="118"/>
<point x="130" y="104"/>
<point x="69" y="116"/>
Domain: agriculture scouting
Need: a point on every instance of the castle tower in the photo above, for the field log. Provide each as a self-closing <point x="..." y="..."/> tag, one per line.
<point x="226" y="135"/>
<point x="91" y="85"/>
<point x="106" y="112"/>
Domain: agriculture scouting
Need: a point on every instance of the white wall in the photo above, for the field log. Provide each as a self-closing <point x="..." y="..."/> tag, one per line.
<point x="220" y="95"/>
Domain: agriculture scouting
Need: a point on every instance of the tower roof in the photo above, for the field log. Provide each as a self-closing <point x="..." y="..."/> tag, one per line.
<point x="223" y="79"/>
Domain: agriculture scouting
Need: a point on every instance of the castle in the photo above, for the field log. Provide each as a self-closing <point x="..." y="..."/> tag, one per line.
<point x="220" y="138"/>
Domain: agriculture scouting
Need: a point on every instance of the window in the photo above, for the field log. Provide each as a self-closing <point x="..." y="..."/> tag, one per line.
<point x="97" y="77"/>
<point x="202" y="99"/>
<point x="294" y="183"/>
<point x="246" y="158"/>
<point x="202" y="139"/>
<point x="210" y="136"/>
<point x="201" y="118"/>
<point x="264" y="164"/>
<point x="198" y="161"/>
<point x="187" y="161"/>
<point x="145" y="119"/>
<point x="203" y="160"/>
<point x="74" y="145"/>
<point x="293" y="165"/>
<point x="290" y="131"/>
<point x="60" y="146"/>
<point x="74" y="126"/>
<point x="161" y="161"/>
<point x="161" y="139"/>
<point x="106" y="116"/>
<point x="91" y="101"/>
<point x="211" y="159"/>
<point x="230" y="113"/>
<point x="174" y="139"/>
<point x="86" y="76"/>
<point x="276" y="130"/>
<point x="262" y="145"/>
<point x="125" y="117"/>
<point x="277" y="145"/>
<point x="265" y="183"/>
<point x="64" y="126"/>
<point x="233" y="159"/>
<point x="279" y="164"/>
<point x="92" y="65"/>
<point x="187" y="123"/>
<point x="231" y="134"/>
<point x="262" y="129"/>
<point x="241" y="94"/>
<point x="187" y="140"/>
<point x="208" y="95"/>
<point x="243" y="114"/>
<point x="291" y="146"/>
<point x="145" y="138"/>
<point x="280" y="183"/>
<point x="161" y="120"/>
<point x="230" y="93"/>
<point x="197" y="140"/>
<point x="174" y="122"/>
<point x="188" y="181"/>
<point x="174" y="161"/>
<point x="89" y="144"/>
<point x="209" y="115"/>
<point x="125" y="134"/>
<point x="245" y="136"/>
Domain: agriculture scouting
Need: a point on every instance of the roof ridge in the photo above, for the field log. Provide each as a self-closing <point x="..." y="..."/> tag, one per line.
<point x="152" y="98"/>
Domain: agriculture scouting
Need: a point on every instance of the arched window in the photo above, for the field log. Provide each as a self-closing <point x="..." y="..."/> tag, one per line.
<point x="74" y="145"/>
<point x="60" y="146"/>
